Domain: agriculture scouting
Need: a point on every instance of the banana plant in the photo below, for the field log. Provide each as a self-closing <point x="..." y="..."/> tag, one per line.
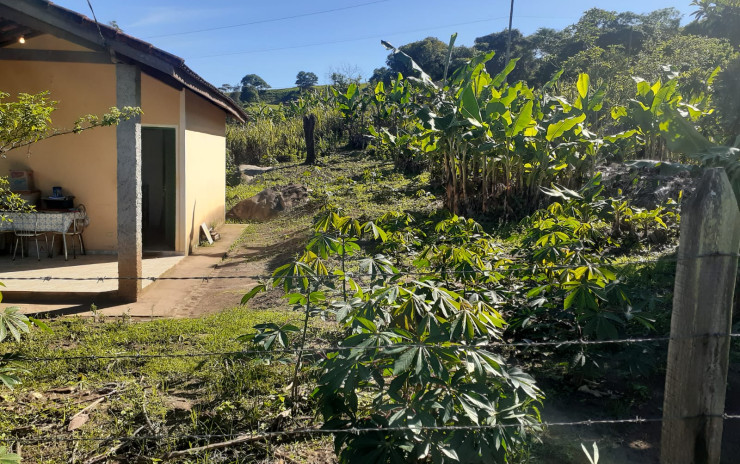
<point x="353" y="106"/>
<point x="494" y="143"/>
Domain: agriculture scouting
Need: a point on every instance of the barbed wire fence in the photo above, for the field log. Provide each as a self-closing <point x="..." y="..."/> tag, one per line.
<point x="510" y="268"/>
<point x="254" y="435"/>
<point x="690" y="263"/>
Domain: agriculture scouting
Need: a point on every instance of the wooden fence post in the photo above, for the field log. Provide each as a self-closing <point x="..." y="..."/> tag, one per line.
<point x="696" y="376"/>
<point x="309" y="123"/>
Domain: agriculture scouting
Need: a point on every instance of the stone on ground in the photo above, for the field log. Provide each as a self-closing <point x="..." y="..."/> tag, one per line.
<point x="269" y="203"/>
<point x="249" y="171"/>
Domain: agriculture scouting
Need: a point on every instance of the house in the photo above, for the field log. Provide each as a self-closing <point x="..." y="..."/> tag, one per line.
<point x="147" y="183"/>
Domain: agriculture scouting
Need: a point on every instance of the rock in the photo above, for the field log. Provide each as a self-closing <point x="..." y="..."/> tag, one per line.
<point x="178" y="404"/>
<point x="269" y="203"/>
<point x="248" y="172"/>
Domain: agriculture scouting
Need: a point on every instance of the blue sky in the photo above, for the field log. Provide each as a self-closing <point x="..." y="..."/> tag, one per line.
<point x="319" y="40"/>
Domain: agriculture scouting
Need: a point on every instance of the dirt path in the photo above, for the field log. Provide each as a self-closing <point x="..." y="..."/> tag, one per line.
<point x="252" y="258"/>
<point x="231" y="267"/>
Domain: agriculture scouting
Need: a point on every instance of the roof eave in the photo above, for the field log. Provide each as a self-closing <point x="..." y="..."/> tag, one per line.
<point x="122" y="46"/>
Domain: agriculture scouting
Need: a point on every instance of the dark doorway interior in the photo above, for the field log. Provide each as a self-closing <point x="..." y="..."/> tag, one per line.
<point x="158" y="166"/>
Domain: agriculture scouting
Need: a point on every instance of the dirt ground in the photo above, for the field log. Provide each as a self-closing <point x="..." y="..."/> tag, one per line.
<point x="225" y="271"/>
<point x="233" y="266"/>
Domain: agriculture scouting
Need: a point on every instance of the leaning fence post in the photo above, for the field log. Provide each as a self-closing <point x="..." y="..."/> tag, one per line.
<point x="698" y="357"/>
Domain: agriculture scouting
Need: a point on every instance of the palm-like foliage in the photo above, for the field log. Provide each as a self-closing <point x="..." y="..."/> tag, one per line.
<point x="13" y="323"/>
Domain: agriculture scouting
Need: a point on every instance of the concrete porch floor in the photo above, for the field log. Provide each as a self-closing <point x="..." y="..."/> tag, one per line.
<point x="184" y="297"/>
<point x="28" y="274"/>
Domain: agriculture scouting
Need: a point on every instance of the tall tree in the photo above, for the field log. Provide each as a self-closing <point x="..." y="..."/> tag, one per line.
<point x="716" y="18"/>
<point x="255" y="81"/>
<point x="252" y="85"/>
<point x="521" y="48"/>
<point x="430" y="54"/>
<point x="305" y="80"/>
<point x="382" y="74"/>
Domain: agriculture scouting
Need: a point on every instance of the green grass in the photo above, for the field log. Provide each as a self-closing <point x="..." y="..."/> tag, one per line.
<point x="225" y="394"/>
<point x="278" y="96"/>
<point x="363" y="185"/>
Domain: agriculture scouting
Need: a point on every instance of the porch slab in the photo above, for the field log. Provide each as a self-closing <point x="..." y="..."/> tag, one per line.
<point x="183" y="295"/>
<point x="91" y="274"/>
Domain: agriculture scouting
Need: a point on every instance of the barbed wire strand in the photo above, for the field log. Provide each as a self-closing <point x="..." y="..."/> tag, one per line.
<point x="499" y="269"/>
<point x="437" y="273"/>
<point x="354" y="430"/>
<point x="397" y="346"/>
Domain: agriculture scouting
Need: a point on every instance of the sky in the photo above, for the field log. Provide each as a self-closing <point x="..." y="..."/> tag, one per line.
<point x="223" y="40"/>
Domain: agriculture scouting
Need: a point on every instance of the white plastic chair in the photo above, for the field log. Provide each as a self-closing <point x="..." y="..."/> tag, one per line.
<point x="26" y="227"/>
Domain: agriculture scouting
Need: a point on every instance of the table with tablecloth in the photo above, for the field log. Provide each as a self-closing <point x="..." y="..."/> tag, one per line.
<point x="57" y="222"/>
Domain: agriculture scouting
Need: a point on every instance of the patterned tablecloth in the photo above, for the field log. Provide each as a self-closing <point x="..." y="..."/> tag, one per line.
<point x="41" y="221"/>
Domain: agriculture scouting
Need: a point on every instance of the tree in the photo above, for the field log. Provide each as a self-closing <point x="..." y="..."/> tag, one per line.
<point x="305" y="80"/>
<point x="430" y="54"/>
<point x="383" y="74"/>
<point x="249" y="94"/>
<point x="342" y="76"/>
<point x="231" y="91"/>
<point x="252" y="86"/>
<point x="716" y="18"/>
<point x="255" y="81"/>
<point x="28" y="120"/>
<point x="521" y="48"/>
<point x="608" y="30"/>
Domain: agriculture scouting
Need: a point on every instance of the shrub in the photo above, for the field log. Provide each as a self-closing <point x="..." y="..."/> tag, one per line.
<point x="413" y="361"/>
<point x="275" y="134"/>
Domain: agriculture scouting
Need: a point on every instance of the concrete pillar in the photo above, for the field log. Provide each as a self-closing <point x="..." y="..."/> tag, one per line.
<point x="128" y="147"/>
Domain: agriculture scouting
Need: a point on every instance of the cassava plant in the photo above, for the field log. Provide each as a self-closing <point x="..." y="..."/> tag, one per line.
<point x="413" y="359"/>
<point x="14" y="324"/>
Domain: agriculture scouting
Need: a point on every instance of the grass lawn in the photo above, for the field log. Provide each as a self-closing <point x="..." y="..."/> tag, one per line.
<point x="364" y="186"/>
<point x="188" y="395"/>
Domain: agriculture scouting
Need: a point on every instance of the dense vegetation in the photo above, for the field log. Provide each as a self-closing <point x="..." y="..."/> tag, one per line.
<point x="465" y="230"/>
<point x="524" y="139"/>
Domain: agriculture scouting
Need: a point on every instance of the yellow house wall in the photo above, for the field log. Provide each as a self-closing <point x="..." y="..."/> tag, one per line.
<point x="160" y="103"/>
<point x="84" y="164"/>
<point x="49" y="42"/>
<point x="205" y="162"/>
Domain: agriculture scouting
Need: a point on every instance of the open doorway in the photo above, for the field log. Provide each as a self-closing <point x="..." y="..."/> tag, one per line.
<point x="158" y="179"/>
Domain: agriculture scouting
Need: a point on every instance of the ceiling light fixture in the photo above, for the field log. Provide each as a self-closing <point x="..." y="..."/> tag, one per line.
<point x="22" y="40"/>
